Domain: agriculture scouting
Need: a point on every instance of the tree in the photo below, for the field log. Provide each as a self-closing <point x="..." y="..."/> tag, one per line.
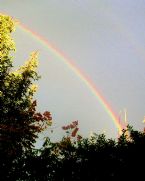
<point x="19" y="121"/>
<point x="95" y="158"/>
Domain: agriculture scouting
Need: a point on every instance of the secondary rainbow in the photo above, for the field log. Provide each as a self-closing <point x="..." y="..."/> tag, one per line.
<point x="70" y="64"/>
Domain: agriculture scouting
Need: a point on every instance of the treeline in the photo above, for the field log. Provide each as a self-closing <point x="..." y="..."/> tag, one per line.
<point x="71" y="159"/>
<point x="95" y="158"/>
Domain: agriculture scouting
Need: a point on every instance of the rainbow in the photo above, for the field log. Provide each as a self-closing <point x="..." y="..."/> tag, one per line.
<point x="70" y="64"/>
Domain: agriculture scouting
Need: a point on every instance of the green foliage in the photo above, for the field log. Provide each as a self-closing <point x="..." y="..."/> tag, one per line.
<point x="19" y="121"/>
<point x="6" y="43"/>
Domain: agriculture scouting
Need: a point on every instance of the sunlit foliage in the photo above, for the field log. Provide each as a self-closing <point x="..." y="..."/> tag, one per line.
<point x="19" y="121"/>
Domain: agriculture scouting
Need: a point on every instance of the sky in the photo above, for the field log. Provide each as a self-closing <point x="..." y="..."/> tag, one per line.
<point x="105" y="39"/>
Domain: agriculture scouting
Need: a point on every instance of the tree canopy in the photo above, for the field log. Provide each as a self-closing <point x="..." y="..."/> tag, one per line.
<point x="19" y="121"/>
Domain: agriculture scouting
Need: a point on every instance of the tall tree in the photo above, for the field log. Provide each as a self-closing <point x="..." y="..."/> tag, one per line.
<point x="19" y="121"/>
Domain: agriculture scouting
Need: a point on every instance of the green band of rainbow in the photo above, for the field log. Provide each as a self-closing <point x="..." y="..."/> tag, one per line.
<point x="76" y="71"/>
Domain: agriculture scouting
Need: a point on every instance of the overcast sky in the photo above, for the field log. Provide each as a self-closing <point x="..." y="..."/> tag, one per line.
<point x="105" y="39"/>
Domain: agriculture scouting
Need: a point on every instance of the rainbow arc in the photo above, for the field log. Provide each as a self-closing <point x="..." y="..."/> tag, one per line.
<point x="70" y="64"/>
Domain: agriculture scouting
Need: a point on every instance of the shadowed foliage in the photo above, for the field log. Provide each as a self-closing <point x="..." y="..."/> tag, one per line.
<point x="95" y="158"/>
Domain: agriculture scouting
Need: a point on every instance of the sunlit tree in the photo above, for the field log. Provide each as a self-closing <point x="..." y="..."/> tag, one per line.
<point x="19" y="121"/>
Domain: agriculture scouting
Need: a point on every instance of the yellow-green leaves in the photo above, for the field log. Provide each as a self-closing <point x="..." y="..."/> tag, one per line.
<point x="17" y="107"/>
<point x="7" y="25"/>
<point x="31" y="64"/>
<point x="33" y="88"/>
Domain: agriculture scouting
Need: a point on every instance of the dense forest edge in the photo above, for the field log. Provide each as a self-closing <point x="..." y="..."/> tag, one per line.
<point x="71" y="159"/>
